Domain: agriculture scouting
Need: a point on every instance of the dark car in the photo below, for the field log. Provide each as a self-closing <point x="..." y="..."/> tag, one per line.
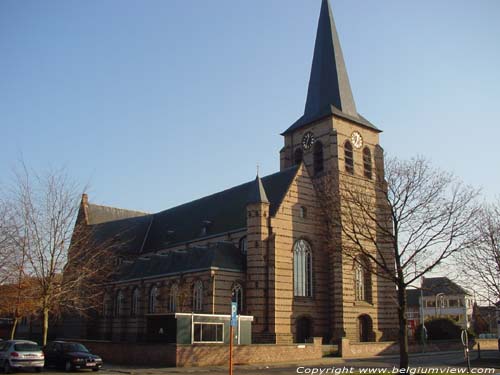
<point x="70" y="356"/>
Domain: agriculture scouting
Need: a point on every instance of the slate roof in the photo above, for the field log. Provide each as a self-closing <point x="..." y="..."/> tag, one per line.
<point x="413" y="297"/>
<point x="222" y="255"/>
<point x="329" y="89"/>
<point x="257" y="192"/>
<point x="215" y="214"/>
<point x="434" y="285"/>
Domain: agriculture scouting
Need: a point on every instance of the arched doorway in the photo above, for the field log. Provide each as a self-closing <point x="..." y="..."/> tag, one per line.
<point x="304" y="329"/>
<point x="365" y="327"/>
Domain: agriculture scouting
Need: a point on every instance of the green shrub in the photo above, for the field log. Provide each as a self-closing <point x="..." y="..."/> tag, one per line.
<point x="442" y="329"/>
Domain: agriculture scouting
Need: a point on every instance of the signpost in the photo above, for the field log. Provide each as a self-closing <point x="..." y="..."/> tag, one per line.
<point x="465" y="343"/>
<point x="232" y="324"/>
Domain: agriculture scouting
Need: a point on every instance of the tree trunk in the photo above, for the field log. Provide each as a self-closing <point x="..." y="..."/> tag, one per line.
<point x="45" y="325"/>
<point x="403" y="332"/>
<point x="14" y="328"/>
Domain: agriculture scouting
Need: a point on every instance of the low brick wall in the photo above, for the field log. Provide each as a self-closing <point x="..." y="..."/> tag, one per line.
<point x="140" y="354"/>
<point x="487" y="344"/>
<point x="208" y="355"/>
<point x="369" y="349"/>
<point x="201" y="354"/>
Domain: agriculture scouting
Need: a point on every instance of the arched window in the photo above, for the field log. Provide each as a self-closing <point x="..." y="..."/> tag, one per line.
<point x="107" y="305"/>
<point x="367" y="162"/>
<point x="348" y="158"/>
<point x="318" y="157"/>
<point x="362" y="279"/>
<point x="198" y="296"/>
<point x="173" y="298"/>
<point x="302" y="269"/>
<point x="153" y="299"/>
<point x="134" y="306"/>
<point x="243" y="245"/>
<point x="298" y="156"/>
<point x="119" y="303"/>
<point x="237" y="292"/>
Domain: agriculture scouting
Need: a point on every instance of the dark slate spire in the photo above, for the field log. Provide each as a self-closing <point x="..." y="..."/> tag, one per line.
<point x="329" y="88"/>
<point x="257" y="193"/>
<point x="329" y="83"/>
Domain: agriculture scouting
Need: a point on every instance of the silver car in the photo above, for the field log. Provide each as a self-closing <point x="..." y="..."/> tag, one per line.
<point x="16" y="354"/>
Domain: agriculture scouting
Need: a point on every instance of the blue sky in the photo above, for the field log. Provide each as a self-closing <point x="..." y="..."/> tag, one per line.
<point x="155" y="103"/>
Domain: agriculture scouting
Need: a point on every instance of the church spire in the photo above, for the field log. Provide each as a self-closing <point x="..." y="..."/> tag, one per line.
<point x="329" y="83"/>
<point x="329" y="88"/>
<point x="257" y="193"/>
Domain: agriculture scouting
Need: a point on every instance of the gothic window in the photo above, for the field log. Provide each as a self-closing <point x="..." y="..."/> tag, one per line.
<point x="119" y="303"/>
<point x="362" y="279"/>
<point x="134" y="307"/>
<point x="237" y="292"/>
<point x="302" y="269"/>
<point x="198" y="296"/>
<point x="153" y="299"/>
<point x="297" y="156"/>
<point x="243" y="245"/>
<point x="318" y="157"/>
<point x="367" y="162"/>
<point x="348" y="158"/>
<point x="173" y="298"/>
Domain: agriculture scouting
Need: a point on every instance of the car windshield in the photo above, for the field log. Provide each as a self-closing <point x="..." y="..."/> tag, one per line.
<point x="26" y="347"/>
<point x="73" y="347"/>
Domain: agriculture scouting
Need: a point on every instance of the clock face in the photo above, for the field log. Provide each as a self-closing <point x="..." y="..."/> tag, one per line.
<point x="357" y="140"/>
<point x="308" y="140"/>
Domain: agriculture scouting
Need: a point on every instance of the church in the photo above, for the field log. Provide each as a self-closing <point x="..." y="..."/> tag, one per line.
<point x="262" y="242"/>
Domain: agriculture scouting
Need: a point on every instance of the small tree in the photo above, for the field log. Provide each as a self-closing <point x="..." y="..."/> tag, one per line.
<point x="479" y="263"/>
<point x="404" y="223"/>
<point x="45" y="210"/>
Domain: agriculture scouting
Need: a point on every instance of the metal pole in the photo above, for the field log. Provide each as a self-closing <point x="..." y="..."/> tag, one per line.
<point x="422" y="315"/>
<point x="231" y="349"/>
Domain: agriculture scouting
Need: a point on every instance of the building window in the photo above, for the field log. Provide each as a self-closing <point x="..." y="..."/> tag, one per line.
<point x="243" y="245"/>
<point x="237" y="293"/>
<point x="153" y="299"/>
<point x="119" y="304"/>
<point x="173" y="298"/>
<point x="367" y="162"/>
<point x="208" y="332"/>
<point x="134" y="308"/>
<point x="318" y="157"/>
<point x="106" y="306"/>
<point x="298" y="156"/>
<point x="362" y="279"/>
<point x="303" y="212"/>
<point x="302" y="269"/>
<point x="198" y="296"/>
<point x="348" y="158"/>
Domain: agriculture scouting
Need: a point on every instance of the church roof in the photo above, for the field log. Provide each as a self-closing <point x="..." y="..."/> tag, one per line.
<point x="222" y="255"/>
<point x="329" y="89"/>
<point x="209" y="216"/>
<point x="257" y="192"/>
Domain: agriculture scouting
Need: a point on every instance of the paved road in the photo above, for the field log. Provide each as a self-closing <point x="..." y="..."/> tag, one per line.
<point x="490" y="359"/>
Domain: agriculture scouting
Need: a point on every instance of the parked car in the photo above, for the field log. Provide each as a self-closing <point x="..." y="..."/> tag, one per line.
<point x="70" y="356"/>
<point x="17" y="354"/>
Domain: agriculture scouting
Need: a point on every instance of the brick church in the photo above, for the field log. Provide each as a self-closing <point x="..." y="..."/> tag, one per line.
<point x="262" y="241"/>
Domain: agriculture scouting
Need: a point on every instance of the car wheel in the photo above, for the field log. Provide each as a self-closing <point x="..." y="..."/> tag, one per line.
<point x="95" y="369"/>
<point x="68" y="366"/>
<point x="7" y="369"/>
<point x="38" y="369"/>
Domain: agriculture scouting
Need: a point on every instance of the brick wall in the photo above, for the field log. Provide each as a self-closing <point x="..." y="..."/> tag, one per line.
<point x="201" y="354"/>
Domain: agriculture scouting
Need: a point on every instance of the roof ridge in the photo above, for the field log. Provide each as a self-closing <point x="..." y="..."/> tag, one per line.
<point x="121" y="209"/>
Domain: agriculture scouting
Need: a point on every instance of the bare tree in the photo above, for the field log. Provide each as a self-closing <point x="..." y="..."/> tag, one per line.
<point x="479" y="263"/>
<point x="404" y="223"/>
<point x="46" y="208"/>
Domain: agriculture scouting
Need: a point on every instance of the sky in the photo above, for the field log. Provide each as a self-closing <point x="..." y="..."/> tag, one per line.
<point x="156" y="103"/>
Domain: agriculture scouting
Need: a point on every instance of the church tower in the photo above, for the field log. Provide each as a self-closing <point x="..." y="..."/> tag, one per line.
<point x="334" y="141"/>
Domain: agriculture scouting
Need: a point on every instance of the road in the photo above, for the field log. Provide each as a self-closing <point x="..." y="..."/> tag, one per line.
<point x="490" y="359"/>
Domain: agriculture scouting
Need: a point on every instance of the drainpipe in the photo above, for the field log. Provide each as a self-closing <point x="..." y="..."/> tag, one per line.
<point x="213" y="291"/>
